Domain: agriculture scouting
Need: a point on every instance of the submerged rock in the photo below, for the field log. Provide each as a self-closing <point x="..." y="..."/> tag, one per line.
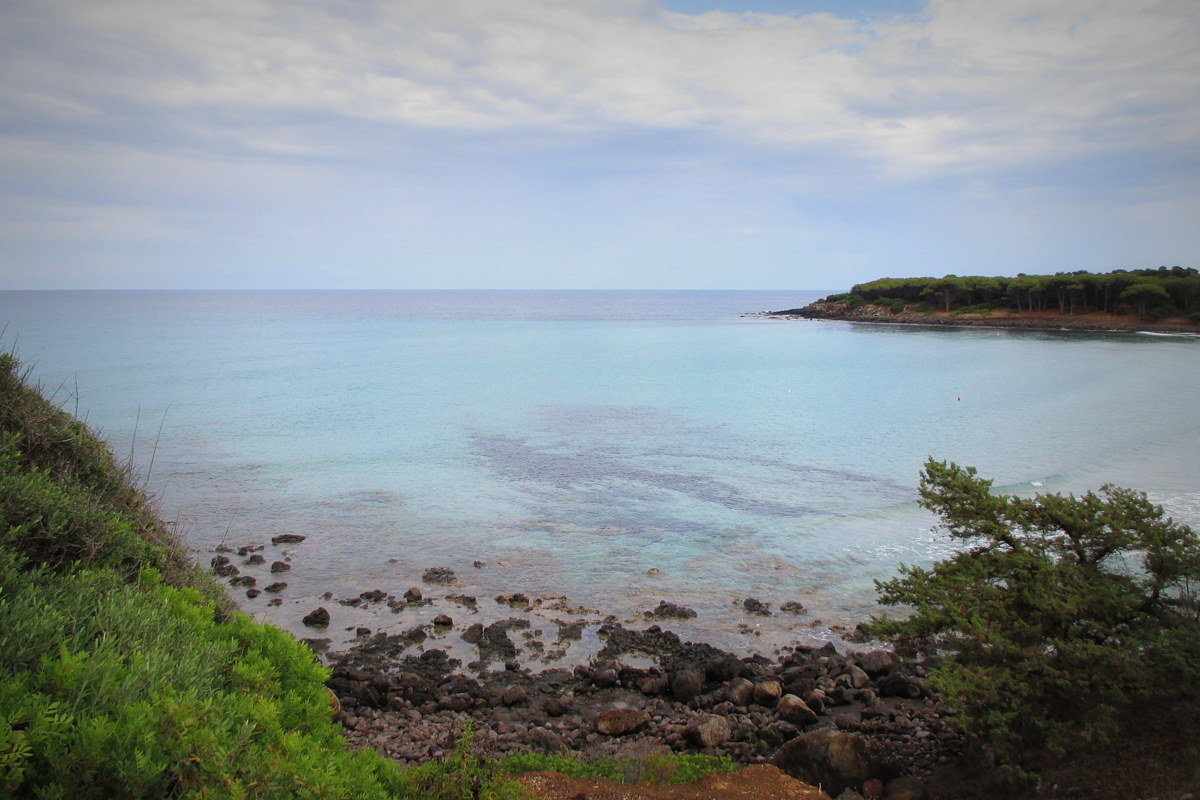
<point x="288" y="538"/>
<point x="317" y="618"/>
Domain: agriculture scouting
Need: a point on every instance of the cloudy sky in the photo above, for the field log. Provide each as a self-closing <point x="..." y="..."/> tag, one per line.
<point x="740" y="144"/>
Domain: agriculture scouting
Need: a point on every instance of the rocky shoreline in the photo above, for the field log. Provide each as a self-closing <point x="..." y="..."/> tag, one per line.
<point x="830" y="716"/>
<point x="997" y="319"/>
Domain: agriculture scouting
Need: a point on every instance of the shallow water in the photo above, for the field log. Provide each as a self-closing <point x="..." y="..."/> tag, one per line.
<point x="574" y="441"/>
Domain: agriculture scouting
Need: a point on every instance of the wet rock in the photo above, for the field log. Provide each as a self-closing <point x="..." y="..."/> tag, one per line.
<point x="511" y="695"/>
<point x="439" y="576"/>
<point x="443" y="621"/>
<point x="687" y="684"/>
<point x="665" y="610"/>
<point x="317" y="618"/>
<point x="756" y="607"/>
<point x="709" y="730"/>
<point x="275" y="601"/>
<point x="245" y="550"/>
<point x="254" y="560"/>
<point x="287" y="538"/>
<point x="620" y="721"/>
<point x="280" y="566"/>
<point x="253" y="593"/>
<point x="515" y="599"/>
<point x="222" y="567"/>
<point x="796" y="711"/>
<point x="833" y="760"/>
<point x="473" y="633"/>
<point x="242" y="580"/>
<point x="413" y="595"/>
<point x="480" y="564"/>
<point x="360" y="631"/>
<point x="465" y="600"/>
<point x="373" y="596"/>
<point x="792" y="607"/>
<point x="276" y="587"/>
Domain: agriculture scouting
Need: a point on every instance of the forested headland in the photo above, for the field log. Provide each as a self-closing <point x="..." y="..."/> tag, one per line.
<point x="1166" y="298"/>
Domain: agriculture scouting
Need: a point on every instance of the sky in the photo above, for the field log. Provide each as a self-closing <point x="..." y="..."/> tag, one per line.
<point x="592" y="144"/>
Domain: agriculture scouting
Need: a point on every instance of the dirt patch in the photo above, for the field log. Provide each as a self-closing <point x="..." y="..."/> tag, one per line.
<point x="758" y="782"/>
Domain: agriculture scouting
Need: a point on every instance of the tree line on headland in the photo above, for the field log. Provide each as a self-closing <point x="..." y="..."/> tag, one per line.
<point x="1149" y="293"/>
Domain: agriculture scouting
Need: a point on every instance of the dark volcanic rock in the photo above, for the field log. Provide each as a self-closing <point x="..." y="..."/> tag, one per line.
<point x="756" y="607"/>
<point x="287" y="538"/>
<point x="439" y="576"/>
<point x="666" y="610"/>
<point x="317" y="618"/>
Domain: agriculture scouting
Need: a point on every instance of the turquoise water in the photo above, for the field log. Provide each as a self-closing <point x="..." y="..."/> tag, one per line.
<point x="576" y="440"/>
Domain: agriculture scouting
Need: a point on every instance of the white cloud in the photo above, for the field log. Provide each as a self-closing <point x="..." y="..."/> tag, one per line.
<point x="970" y="83"/>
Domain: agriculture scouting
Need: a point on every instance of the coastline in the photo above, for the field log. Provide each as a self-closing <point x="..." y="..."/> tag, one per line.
<point x="1035" y="321"/>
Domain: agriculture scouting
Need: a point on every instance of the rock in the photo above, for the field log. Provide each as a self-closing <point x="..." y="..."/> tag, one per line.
<point x="858" y="678"/>
<point x="439" y="576"/>
<point x="722" y="668"/>
<point x="654" y="685"/>
<point x="792" y="607"/>
<point x="796" y="711"/>
<point x="280" y="566"/>
<point x="756" y="607"/>
<point x="665" y="610"/>
<point x="473" y="633"/>
<point x="687" y="684"/>
<point x="905" y="787"/>
<point x="619" y="721"/>
<point x="222" y="568"/>
<point x="361" y="631"/>
<point x="709" y="730"/>
<point x="443" y="621"/>
<point x="872" y="789"/>
<point x="895" y="685"/>
<point x="741" y="692"/>
<point x="253" y="593"/>
<point x="480" y="564"/>
<point x="832" y="759"/>
<point x="242" y="580"/>
<point x="254" y="560"/>
<point x="604" y="677"/>
<point x="275" y="601"/>
<point x="317" y="618"/>
<point x="511" y="695"/>
<point x="413" y="595"/>
<point x="515" y="599"/>
<point x="276" y="587"/>
<point x="287" y="538"/>
<point x="556" y="707"/>
<point x="767" y="693"/>
<point x="877" y="662"/>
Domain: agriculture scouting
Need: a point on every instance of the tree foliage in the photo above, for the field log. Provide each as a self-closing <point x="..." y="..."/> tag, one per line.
<point x="1148" y="292"/>
<point x="1058" y="614"/>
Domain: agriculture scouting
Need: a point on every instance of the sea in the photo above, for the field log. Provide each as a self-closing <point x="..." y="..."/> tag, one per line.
<point x="616" y="449"/>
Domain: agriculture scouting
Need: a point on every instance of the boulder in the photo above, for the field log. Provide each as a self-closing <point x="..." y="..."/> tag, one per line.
<point x="512" y="695"/>
<point x="756" y="607"/>
<point x="280" y="566"/>
<point x="905" y="787"/>
<point x="473" y="633"/>
<point x="767" y="693"/>
<point x="741" y="692"/>
<point x="317" y="618"/>
<point x="619" y="721"/>
<point x="709" y="730"/>
<point x="276" y="587"/>
<point x="287" y="538"/>
<point x="858" y="677"/>
<point x="795" y="710"/>
<point x="687" y="684"/>
<point x="877" y="662"/>
<point x="832" y="759"/>
<point x="413" y="595"/>
<point x="443" y="621"/>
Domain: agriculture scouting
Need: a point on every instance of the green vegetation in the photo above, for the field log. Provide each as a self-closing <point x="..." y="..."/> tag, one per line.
<point x="126" y="672"/>
<point x="1150" y="293"/>
<point x="1061" y="616"/>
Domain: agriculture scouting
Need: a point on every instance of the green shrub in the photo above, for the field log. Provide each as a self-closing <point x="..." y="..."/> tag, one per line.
<point x="1058" y="617"/>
